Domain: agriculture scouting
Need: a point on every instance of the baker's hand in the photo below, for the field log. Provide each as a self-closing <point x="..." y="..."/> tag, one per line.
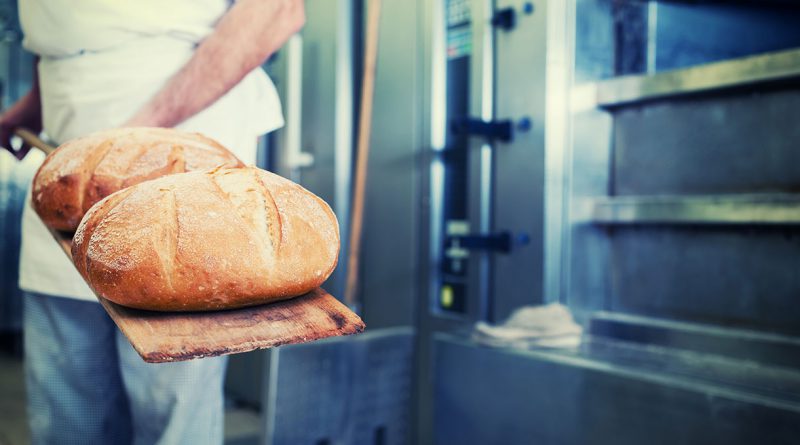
<point x="26" y="113"/>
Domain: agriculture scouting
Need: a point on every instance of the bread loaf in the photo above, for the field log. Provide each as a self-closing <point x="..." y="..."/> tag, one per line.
<point x="83" y="171"/>
<point x="207" y="240"/>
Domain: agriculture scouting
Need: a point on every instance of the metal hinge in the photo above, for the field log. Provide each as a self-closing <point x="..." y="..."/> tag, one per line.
<point x="503" y="242"/>
<point x="505" y="19"/>
<point x="494" y="130"/>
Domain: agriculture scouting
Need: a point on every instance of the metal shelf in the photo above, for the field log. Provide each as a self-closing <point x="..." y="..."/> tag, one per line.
<point x="760" y="69"/>
<point x="755" y="209"/>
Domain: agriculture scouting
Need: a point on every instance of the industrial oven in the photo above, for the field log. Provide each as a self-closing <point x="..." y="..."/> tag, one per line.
<point x="670" y="231"/>
<point x="632" y="160"/>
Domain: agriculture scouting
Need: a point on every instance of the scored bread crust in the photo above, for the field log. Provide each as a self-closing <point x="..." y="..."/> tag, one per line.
<point x="211" y="240"/>
<point x="83" y="171"/>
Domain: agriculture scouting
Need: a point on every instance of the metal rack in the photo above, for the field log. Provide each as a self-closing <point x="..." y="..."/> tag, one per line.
<point x="743" y="209"/>
<point x="760" y="69"/>
<point x="683" y="226"/>
<point x="764" y="70"/>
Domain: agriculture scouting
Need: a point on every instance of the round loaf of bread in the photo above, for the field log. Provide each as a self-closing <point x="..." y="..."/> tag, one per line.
<point x="209" y="240"/>
<point x="83" y="171"/>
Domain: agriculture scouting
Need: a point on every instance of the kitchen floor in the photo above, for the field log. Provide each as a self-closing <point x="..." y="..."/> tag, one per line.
<point x="241" y="424"/>
<point x="13" y="421"/>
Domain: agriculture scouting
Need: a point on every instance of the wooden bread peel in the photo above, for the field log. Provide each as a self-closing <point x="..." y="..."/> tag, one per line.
<point x="177" y="336"/>
<point x="33" y="140"/>
<point x="362" y="153"/>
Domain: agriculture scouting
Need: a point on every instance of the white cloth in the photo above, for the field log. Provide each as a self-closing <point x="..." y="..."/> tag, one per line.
<point x="100" y="61"/>
<point x="549" y="326"/>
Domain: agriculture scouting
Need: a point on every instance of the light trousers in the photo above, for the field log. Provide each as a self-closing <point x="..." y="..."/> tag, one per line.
<point x="87" y="385"/>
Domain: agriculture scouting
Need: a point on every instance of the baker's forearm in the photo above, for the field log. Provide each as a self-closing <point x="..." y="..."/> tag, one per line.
<point x="246" y="36"/>
<point x="25" y="113"/>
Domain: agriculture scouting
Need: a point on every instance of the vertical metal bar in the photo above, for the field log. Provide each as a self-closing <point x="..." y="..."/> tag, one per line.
<point x="652" y="32"/>
<point x="294" y="105"/>
<point x="343" y="137"/>
<point x="558" y="141"/>
<point x="262" y="153"/>
<point x="438" y="135"/>
<point x="486" y="166"/>
<point x="270" y="396"/>
<point x="564" y="278"/>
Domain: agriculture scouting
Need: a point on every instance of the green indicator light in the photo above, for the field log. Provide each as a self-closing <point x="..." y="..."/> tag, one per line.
<point x="446" y="297"/>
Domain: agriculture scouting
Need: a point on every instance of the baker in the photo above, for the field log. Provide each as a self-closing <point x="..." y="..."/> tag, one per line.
<point x="103" y="64"/>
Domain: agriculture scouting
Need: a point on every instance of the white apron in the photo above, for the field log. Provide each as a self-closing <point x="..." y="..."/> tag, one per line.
<point x="96" y="72"/>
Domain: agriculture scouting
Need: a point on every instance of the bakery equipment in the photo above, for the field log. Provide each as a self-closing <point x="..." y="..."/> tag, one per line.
<point x="350" y="390"/>
<point x="677" y="241"/>
<point x="427" y="136"/>
<point x="688" y="298"/>
<point x="30" y="138"/>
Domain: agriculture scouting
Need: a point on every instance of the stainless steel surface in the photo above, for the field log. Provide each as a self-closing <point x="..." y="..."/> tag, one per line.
<point x="772" y="349"/>
<point x="318" y="108"/>
<point x="518" y="74"/>
<point x="780" y="209"/>
<point x="432" y="28"/>
<point x="343" y="391"/>
<point x="325" y="131"/>
<point x="743" y="142"/>
<point x="343" y="133"/>
<point x="436" y="92"/>
<point x="760" y="69"/>
<point x="585" y="247"/>
<point x="608" y="392"/>
<point x="689" y="34"/>
<point x="519" y="183"/>
<point x="668" y="287"/>
<point x="473" y="71"/>
<point x="391" y="215"/>
<point x="652" y="34"/>
<point x="730" y="275"/>
<point x="432" y="167"/>
<point x="558" y="142"/>
<point x="725" y="162"/>
<point x="483" y="105"/>
<point x="288" y="69"/>
<point x="294" y="158"/>
<point x="720" y="246"/>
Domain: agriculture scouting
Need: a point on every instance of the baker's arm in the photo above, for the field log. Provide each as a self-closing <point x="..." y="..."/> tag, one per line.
<point x="25" y="113"/>
<point x="245" y="36"/>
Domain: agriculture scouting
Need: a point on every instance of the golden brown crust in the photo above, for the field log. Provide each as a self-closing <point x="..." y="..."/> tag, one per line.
<point x="207" y="240"/>
<point x="83" y="171"/>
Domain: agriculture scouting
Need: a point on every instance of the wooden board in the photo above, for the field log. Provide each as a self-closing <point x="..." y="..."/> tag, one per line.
<point x="176" y="336"/>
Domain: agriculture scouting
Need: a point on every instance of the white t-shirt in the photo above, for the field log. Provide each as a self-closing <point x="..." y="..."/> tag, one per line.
<point x="100" y="62"/>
